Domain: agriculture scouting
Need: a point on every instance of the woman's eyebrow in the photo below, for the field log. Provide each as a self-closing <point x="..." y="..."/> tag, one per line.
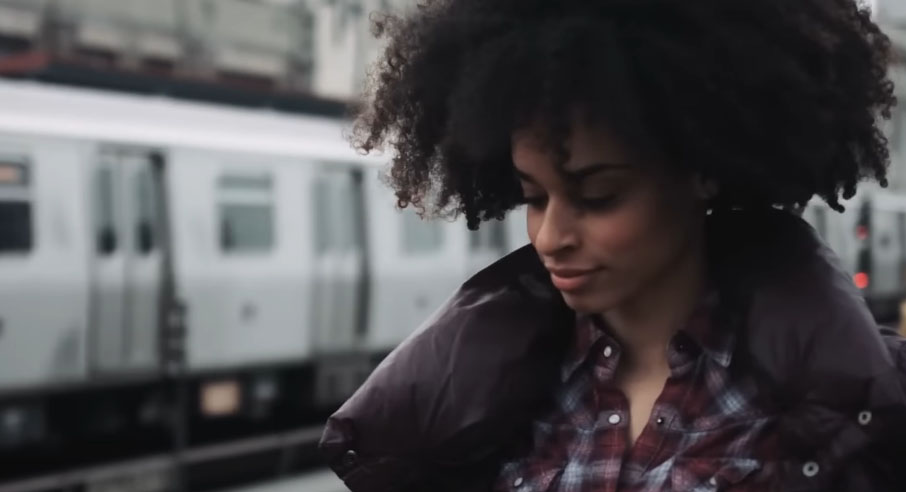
<point x="583" y="172"/>
<point x="578" y="174"/>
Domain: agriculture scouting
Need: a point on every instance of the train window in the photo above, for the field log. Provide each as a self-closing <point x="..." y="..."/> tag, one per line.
<point x="246" y="227"/>
<point x="105" y="211"/>
<point x="490" y="236"/>
<point x="246" y="213"/>
<point x="15" y="207"/>
<point x="420" y="236"/>
<point x="15" y="236"/>
<point x="145" y="211"/>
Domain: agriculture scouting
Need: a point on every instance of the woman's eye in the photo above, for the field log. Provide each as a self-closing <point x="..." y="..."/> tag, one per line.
<point x="598" y="202"/>
<point x="534" y="201"/>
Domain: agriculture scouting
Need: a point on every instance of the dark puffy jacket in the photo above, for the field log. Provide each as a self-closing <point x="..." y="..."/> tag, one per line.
<point x="437" y="413"/>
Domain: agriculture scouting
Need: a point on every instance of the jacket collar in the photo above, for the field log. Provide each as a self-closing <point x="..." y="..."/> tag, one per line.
<point x="802" y="317"/>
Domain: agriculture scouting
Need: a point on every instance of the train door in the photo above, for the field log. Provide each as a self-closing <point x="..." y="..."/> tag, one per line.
<point x="415" y="266"/>
<point x="339" y="261"/>
<point x="338" y="327"/>
<point x="127" y="262"/>
<point x="144" y="268"/>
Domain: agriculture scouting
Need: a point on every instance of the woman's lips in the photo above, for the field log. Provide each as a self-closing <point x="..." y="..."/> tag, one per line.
<point x="570" y="279"/>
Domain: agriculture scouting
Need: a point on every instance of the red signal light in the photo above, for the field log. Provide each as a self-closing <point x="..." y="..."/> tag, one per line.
<point x="861" y="280"/>
<point x="862" y="232"/>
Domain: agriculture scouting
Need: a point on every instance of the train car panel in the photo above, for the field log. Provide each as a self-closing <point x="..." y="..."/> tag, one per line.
<point x="486" y="245"/>
<point x="43" y="269"/>
<point x="516" y="231"/>
<point x="241" y="266"/>
<point x="886" y="240"/>
<point x="495" y="239"/>
<point x="886" y="247"/>
<point x="416" y="265"/>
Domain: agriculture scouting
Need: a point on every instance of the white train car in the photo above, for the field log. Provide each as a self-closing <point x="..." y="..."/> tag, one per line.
<point x="295" y="269"/>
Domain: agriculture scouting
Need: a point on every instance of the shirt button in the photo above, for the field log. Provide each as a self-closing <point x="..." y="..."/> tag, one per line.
<point x="810" y="469"/>
<point x="518" y="482"/>
<point x="712" y="481"/>
<point x="614" y="419"/>
<point x="608" y="351"/>
<point x="865" y="417"/>
<point x="660" y="421"/>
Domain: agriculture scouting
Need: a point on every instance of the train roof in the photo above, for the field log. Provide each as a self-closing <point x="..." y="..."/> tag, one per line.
<point x="45" y="109"/>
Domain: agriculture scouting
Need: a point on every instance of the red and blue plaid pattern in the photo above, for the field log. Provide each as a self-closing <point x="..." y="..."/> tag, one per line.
<point x="706" y="431"/>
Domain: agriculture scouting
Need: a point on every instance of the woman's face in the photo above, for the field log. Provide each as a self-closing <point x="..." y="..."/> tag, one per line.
<point x="607" y="226"/>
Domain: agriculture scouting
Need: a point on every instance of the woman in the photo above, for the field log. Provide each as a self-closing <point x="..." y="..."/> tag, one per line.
<point x="673" y="325"/>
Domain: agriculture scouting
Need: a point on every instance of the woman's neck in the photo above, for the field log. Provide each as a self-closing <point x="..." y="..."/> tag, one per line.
<point x="645" y="324"/>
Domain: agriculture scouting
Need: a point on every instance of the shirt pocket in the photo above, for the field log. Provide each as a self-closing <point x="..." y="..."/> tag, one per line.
<point x="748" y="436"/>
<point x="713" y="474"/>
<point x="528" y="475"/>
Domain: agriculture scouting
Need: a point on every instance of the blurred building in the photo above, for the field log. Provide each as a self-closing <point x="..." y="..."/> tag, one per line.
<point x="307" y="55"/>
<point x="302" y="55"/>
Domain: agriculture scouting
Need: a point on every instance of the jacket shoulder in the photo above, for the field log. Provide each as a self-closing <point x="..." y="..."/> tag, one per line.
<point x="459" y="386"/>
<point x="802" y="315"/>
<point x="837" y="378"/>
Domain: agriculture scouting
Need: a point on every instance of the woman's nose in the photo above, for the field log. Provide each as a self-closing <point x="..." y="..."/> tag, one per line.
<point x="557" y="229"/>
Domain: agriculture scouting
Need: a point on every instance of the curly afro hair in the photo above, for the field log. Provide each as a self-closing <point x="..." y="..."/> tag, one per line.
<point x="774" y="100"/>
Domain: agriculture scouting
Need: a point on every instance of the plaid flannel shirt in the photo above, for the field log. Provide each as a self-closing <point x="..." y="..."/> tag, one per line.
<point x="706" y="431"/>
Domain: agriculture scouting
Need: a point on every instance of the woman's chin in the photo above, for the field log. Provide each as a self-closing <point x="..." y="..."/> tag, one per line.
<point x="589" y="302"/>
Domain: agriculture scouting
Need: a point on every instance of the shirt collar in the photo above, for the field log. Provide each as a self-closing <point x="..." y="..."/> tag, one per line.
<point x="705" y="329"/>
<point x="710" y="331"/>
<point x="587" y="332"/>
